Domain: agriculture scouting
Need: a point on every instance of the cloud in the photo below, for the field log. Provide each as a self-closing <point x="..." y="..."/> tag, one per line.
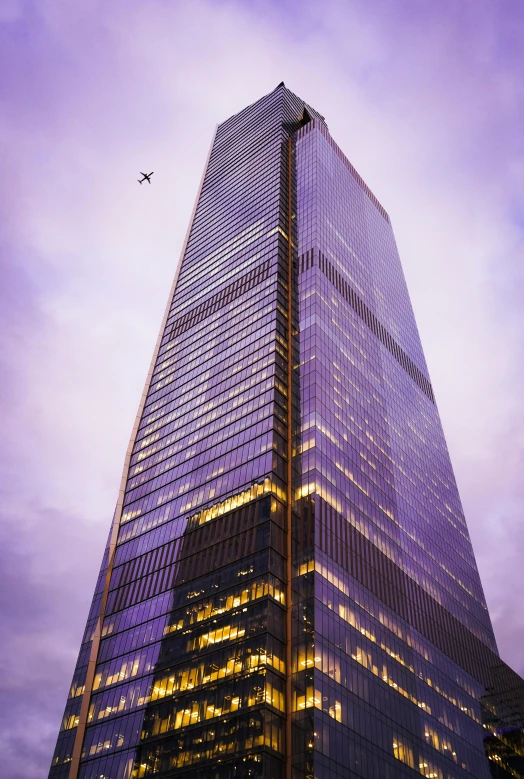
<point x="44" y="556"/>
<point x="425" y="99"/>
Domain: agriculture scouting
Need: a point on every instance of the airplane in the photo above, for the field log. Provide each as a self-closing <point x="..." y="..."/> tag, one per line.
<point x="147" y="177"/>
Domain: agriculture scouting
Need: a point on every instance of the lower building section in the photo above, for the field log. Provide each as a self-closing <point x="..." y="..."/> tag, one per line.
<point x="201" y="686"/>
<point x="372" y="696"/>
<point x="503" y="721"/>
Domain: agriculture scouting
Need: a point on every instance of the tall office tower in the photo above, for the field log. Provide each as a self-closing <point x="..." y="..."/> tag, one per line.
<point x="289" y="589"/>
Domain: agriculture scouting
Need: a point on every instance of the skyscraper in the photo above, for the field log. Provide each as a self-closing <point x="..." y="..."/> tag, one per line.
<point x="288" y="588"/>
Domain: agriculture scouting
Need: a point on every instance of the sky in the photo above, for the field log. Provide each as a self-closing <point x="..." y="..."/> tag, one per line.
<point x="427" y="101"/>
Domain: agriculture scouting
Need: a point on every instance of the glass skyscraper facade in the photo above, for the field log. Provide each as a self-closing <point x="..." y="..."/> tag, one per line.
<point x="288" y="589"/>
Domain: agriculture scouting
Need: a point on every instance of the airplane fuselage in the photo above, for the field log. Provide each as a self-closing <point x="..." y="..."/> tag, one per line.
<point x="146" y="177"/>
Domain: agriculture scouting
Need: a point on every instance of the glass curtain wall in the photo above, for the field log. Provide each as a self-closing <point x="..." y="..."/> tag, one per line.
<point x="389" y="672"/>
<point x="191" y="662"/>
<point x="289" y="589"/>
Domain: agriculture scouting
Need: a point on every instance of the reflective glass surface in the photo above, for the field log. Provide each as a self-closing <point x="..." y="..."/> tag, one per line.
<point x="388" y="671"/>
<point x="258" y="615"/>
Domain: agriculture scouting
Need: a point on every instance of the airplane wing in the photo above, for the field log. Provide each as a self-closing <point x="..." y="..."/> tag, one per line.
<point x="143" y="174"/>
